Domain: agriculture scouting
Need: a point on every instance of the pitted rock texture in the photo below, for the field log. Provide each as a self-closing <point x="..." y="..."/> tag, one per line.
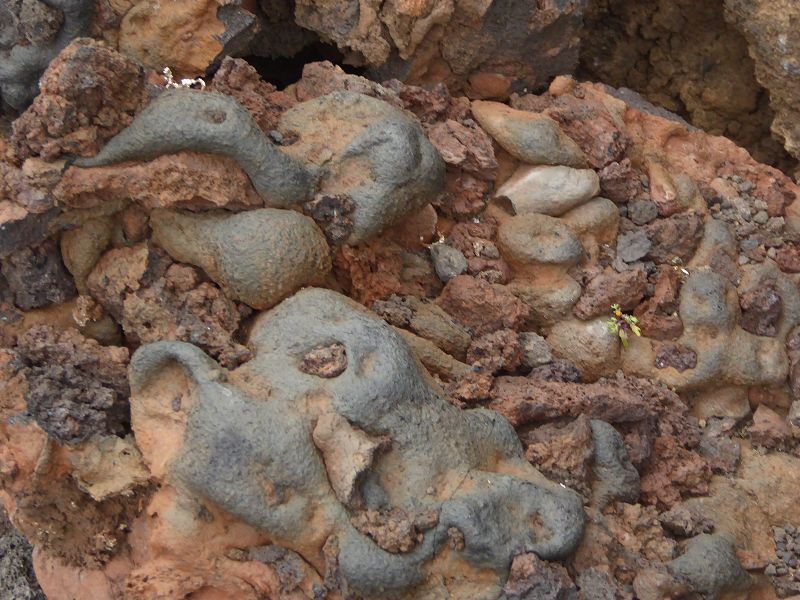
<point x="279" y="479"/>
<point x="776" y="63"/>
<point x="75" y="386"/>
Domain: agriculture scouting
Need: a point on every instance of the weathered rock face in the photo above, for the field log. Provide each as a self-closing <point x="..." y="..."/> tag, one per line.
<point x="273" y="439"/>
<point x="695" y="59"/>
<point x="776" y="61"/>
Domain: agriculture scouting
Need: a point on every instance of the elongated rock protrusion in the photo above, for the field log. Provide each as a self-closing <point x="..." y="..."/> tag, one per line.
<point x="185" y="119"/>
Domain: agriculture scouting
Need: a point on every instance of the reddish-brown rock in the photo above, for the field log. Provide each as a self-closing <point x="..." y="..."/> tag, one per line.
<point x="184" y="180"/>
<point x="672" y="473"/>
<point x="761" y="310"/>
<point x="76" y="113"/>
<point x="468" y="149"/>
<point x="587" y="120"/>
<point x="475" y="241"/>
<point x="620" y="182"/>
<point x="481" y="306"/>
<point x="238" y="79"/>
<point x="155" y="300"/>
<point x="609" y="287"/>
<point x="675" y="237"/>
<point x="658" y="316"/>
<point x="377" y="269"/>
<point x="496" y="351"/>
<point x="563" y="454"/>
<point x="531" y="577"/>
<point x="770" y="430"/>
<point x="620" y="400"/>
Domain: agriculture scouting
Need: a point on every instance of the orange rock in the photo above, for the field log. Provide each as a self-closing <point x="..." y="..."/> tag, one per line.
<point x="184" y="180"/>
<point x="181" y="34"/>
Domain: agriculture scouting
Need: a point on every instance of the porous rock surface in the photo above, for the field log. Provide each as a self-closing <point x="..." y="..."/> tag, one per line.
<point x="350" y="339"/>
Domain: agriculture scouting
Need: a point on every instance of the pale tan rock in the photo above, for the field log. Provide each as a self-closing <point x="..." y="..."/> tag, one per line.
<point x="588" y="344"/>
<point x="549" y="190"/>
<point x="533" y="138"/>
<point x="347" y="452"/>
<point x="108" y="466"/>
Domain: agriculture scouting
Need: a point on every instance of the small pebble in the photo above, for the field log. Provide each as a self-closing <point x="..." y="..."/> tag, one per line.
<point x="761" y="217"/>
<point x="448" y="262"/>
<point x="642" y="211"/>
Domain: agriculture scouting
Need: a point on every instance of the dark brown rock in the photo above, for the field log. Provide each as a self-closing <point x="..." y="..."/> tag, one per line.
<point x="620" y="183"/>
<point x="676" y="356"/>
<point x="331" y="212"/>
<point x="675" y="237"/>
<point x="17" y="579"/>
<point x="76" y="387"/>
<point x="531" y="578"/>
<point x="559" y="369"/>
<point x="761" y="310"/>
<point x="36" y="276"/>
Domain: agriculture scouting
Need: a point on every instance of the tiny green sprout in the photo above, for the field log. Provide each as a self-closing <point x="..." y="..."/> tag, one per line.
<point x="623" y="324"/>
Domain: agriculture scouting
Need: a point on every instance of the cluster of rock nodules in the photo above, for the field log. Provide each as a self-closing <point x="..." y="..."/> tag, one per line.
<point x="730" y="65"/>
<point x="304" y="451"/>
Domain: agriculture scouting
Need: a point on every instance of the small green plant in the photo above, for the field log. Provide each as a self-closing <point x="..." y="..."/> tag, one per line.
<point x="623" y="325"/>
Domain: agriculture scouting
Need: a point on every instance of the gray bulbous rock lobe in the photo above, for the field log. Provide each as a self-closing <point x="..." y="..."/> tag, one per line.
<point x="456" y="463"/>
